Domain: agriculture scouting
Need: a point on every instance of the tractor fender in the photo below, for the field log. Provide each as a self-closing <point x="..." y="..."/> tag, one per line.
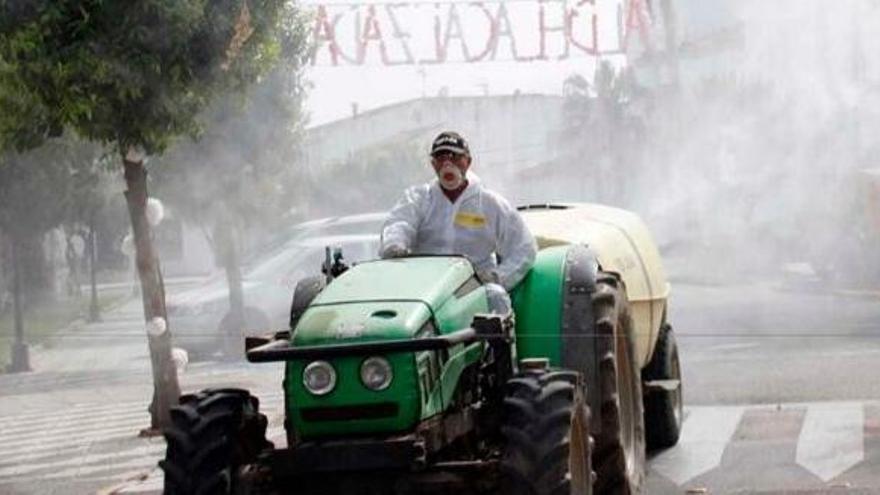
<point x="578" y="343"/>
<point x="554" y="312"/>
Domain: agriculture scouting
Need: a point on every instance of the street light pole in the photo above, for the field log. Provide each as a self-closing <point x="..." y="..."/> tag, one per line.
<point x="94" y="310"/>
<point x="20" y="359"/>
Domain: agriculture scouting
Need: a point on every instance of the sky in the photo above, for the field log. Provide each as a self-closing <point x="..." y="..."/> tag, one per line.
<point x="408" y="32"/>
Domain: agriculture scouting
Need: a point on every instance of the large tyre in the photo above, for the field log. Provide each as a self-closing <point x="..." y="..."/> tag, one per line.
<point x="214" y="435"/>
<point x="619" y="456"/>
<point x="663" y="408"/>
<point x="546" y="433"/>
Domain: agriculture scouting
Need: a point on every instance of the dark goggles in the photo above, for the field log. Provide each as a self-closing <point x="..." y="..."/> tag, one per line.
<point x="446" y="154"/>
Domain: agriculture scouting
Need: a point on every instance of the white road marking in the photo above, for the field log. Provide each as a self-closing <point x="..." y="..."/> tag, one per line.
<point x="76" y="409"/>
<point x="732" y="347"/>
<point x="705" y="434"/>
<point x="74" y="424"/>
<point x="831" y="439"/>
<point x="108" y="460"/>
<point x="82" y="471"/>
<point x="48" y="441"/>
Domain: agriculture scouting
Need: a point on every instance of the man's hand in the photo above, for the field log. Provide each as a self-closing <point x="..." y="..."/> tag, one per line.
<point x="394" y="251"/>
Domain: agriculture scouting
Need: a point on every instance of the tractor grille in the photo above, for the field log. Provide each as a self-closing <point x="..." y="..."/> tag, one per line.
<point x="348" y="413"/>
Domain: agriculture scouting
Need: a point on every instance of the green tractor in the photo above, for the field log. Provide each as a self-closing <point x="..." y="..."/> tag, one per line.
<point x="398" y="380"/>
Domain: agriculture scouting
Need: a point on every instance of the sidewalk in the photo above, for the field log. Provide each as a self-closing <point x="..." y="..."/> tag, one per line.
<point x="117" y="342"/>
<point x="71" y="425"/>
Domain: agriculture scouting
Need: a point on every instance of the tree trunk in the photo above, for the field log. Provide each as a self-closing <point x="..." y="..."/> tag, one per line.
<point x="20" y="361"/>
<point x="166" y="389"/>
<point x="36" y="278"/>
<point x="227" y="249"/>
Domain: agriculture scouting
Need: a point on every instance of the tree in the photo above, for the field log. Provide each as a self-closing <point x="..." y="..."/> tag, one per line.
<point x="600" y="125"/>
<point x="34" y="195"/>
<point x="88" y="193"/>
<point x="133" y="76"/>
<point x="244" y="157"/>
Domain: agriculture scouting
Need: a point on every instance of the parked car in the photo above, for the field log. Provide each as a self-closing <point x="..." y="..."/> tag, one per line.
<point x="199" y="317"/>
<point x="364" y="223"/>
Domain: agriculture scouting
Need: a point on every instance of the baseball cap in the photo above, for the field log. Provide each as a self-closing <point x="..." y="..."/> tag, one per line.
<point x="450" y="141"/>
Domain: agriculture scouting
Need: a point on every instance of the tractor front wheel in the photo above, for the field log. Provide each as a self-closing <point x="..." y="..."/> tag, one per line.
<point x="546" y="432"/>
<point x="215" y="438"/>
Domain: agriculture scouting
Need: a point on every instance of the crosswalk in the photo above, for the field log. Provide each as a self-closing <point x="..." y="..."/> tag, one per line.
<point x="810" y="444"/>
<point x="822" y="440"/>
<point x="89" y="442"/>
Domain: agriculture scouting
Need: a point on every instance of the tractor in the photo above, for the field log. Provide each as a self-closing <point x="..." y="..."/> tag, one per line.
<point x="398" y="379"/>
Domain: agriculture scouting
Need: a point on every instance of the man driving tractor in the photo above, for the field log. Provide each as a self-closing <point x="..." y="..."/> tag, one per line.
<point x="455" y="214"/>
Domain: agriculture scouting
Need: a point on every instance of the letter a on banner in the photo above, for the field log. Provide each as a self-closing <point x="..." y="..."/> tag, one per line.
<point x="325" y="32"/>
<point x="638" y="19"/>
<point x="372" y="32"/>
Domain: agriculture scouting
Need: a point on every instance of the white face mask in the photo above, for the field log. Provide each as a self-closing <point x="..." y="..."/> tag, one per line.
<point x="450" y="177"/>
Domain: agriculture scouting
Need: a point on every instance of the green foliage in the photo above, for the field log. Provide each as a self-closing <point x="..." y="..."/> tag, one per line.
<point x="39" y="188"/>
<point x="130" y="74"/>
<point x="239" y="172"/>
<point x="603" y="135"/>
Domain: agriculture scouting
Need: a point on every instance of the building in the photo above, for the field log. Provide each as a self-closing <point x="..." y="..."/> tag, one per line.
<point x="507" y="134"/>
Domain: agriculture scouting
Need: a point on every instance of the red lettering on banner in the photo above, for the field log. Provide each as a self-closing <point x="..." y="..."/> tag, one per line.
<point x="458" y="28"/>
<point x="399" y="34"/>
<point x="371" y="32"/>
<point x="325" y="32"/>
<point x="488" y="46"/>
<point x="636" y="20"/>
<point x="498" y="31"/>
<point x="453" y="31"/>
<point x="544" y="29"/>
<point x="593" y="48"/>
<point x="438" y="49"/>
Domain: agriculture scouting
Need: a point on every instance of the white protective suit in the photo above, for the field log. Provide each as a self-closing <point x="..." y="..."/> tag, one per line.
<point x="481" y="225"/>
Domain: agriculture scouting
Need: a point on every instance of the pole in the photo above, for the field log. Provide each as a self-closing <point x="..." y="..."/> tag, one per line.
<point x="94" y="310"/>
<point x="20" y="358"/>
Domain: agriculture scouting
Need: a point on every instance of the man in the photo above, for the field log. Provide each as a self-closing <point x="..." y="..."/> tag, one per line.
<point x="455" y="214"/>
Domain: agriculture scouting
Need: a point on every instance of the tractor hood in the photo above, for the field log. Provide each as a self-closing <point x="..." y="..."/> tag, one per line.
<point x="382" y="300"/>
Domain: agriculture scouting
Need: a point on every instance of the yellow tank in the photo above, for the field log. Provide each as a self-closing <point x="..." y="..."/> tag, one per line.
<point x="623" y="245"/>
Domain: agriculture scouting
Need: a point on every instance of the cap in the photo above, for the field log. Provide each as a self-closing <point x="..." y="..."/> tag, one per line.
<point x="450" y="141"/>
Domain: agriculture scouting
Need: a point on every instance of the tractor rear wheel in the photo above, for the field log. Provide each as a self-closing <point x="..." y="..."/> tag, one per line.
<point x="547" y="435"/>
<point x="215" y="437"/>
<point x="619" y="457"/>
<point x="663" y="408"/>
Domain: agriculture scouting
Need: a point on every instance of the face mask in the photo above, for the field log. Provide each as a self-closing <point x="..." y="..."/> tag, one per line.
<point x="450" y="177"/>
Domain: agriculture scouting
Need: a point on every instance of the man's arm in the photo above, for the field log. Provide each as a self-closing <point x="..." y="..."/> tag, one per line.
<point x="516" y="247"/>
<point x="400" y="229"/>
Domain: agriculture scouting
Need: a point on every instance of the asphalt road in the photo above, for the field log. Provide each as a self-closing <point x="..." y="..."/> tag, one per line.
<point x="769" y="343"/>
<point x="780" y="391"/>
<point x="780" y="394"/>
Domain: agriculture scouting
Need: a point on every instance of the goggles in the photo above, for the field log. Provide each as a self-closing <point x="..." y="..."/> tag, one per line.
<point x="448" y="155"/>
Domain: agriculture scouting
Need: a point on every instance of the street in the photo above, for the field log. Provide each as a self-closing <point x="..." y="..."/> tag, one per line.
<point x="779" y="398"/>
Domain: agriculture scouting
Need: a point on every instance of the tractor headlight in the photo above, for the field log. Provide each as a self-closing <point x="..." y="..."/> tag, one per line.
<point x="376" y="373"/>
<point x="319" y="378"/>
